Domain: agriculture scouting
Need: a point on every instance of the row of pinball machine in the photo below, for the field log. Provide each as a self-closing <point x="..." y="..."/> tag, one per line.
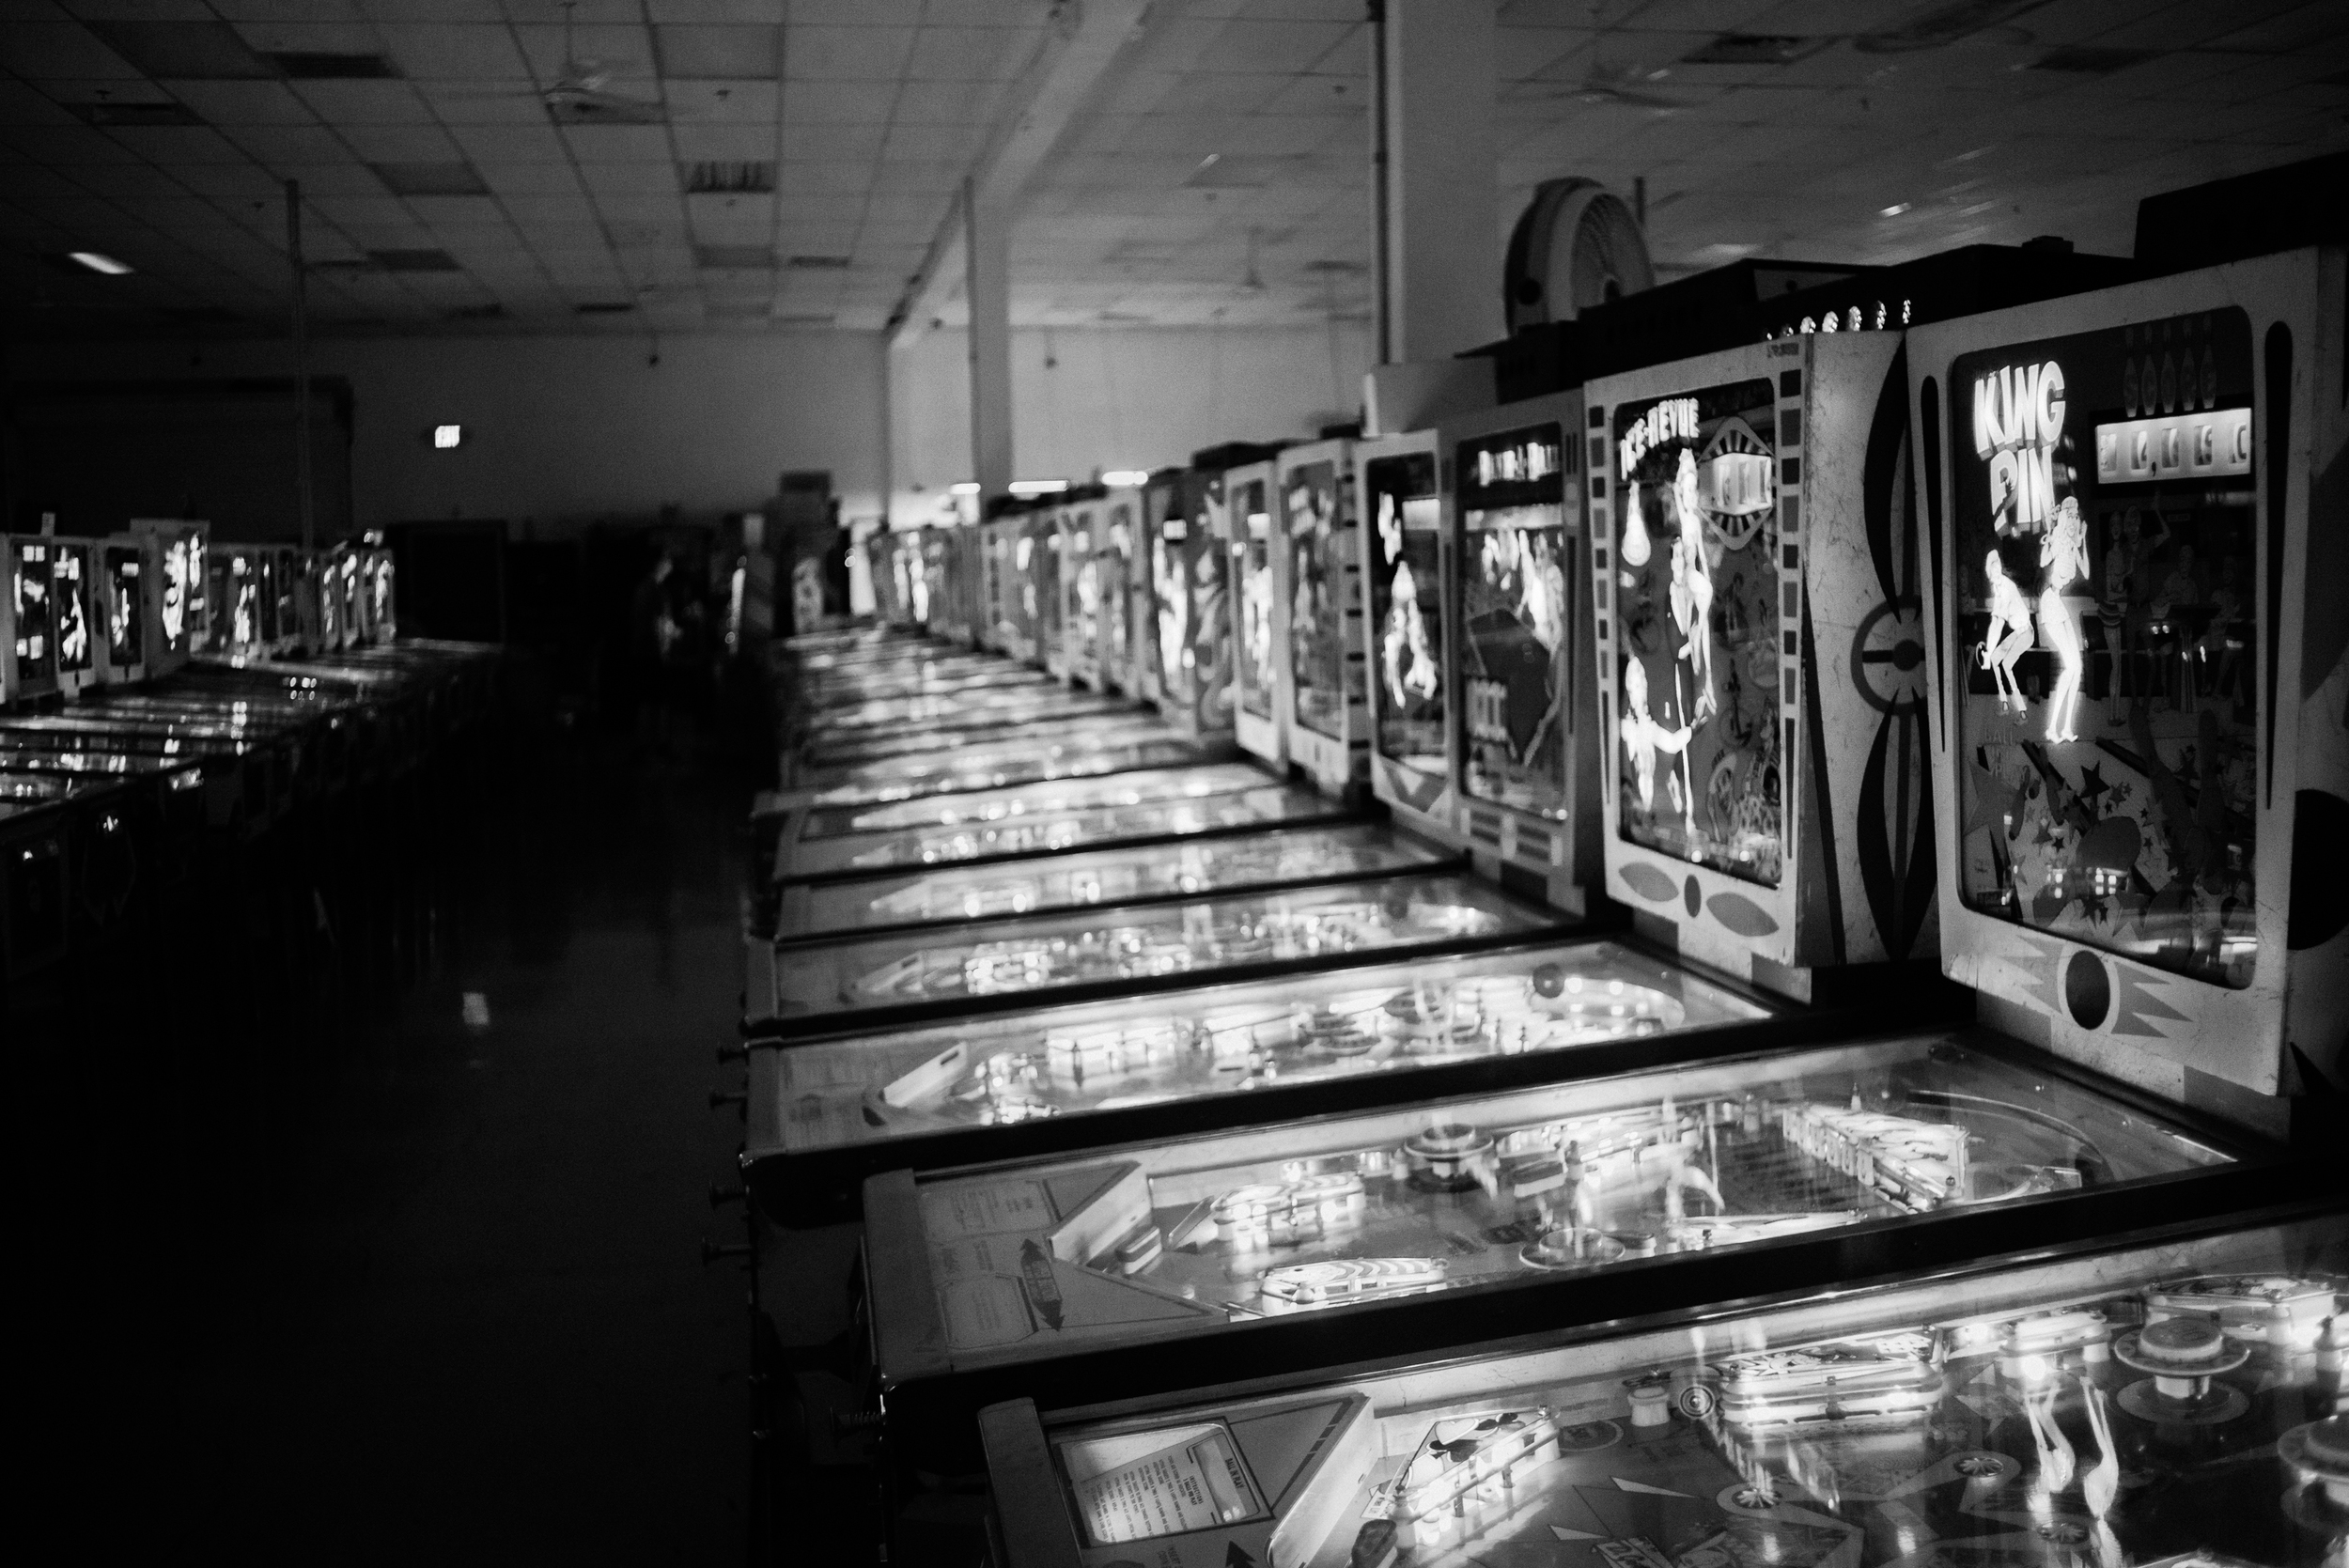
<point x="163" y="694"/>
<point x="1737" y="966"/>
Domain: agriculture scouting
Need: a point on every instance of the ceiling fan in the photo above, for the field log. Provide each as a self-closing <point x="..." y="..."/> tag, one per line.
<point x="1624" y="85"/>
<point x="578" y="95"/>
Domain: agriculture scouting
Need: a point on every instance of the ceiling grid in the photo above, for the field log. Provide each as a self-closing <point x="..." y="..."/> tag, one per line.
<point x="670" y="165"/>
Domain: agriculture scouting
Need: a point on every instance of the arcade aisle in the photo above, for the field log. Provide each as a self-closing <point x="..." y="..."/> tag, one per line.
<point x="435" y="1298"/>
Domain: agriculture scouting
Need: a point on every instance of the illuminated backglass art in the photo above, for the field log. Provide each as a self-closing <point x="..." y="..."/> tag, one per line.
<point x="1251" y="558"/>
<point x="1319" y="639"/>
<point x="1700" y="776"/>
<point x="75" y="653"/>
<point x="2103" y="547"/>
<point x="126" y="632"/>
<point x="1515" y="565"/>
<point x="1404" y="549"/>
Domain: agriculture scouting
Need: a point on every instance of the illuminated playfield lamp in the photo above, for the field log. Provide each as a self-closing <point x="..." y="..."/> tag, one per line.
<point x="1125" y="479"/>
<point x="1038" y="487"/>
<point x="98" y="262"/>
<point x="1895" y="209"/>
<point x="446" y="436"/>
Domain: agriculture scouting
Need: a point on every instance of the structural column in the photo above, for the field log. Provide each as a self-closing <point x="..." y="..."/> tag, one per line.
<point x="987" y="287"/>
<point x="1440" y="245"/>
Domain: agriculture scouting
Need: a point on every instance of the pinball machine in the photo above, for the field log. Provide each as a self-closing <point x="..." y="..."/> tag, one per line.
<point x="1409" y="636"/>
<point x="2170" y="1395"/>
<point x="1042" y="590"/>
<point x="1083" y="529"/>
<point x="2153" y="1372"/>
<point x="870" y="981"/>
<point x="1115" y="556"/>
<point x="1318" y="538"/>
<point x="1258" y="575"/>
<point x="1525" y="733"/>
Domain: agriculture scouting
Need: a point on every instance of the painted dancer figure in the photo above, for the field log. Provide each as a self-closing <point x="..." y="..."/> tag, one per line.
<point x="1642" y="737"/>
<point x="2063" y="552"/>
<point x="2009" y="636"/>
<point x="1405" y="657"/>
<point x="1693" y="587"/>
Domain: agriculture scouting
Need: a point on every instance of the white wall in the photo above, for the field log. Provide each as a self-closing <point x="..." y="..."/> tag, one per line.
<point x="564" y="429"/>
<point x="1117" y="397"/>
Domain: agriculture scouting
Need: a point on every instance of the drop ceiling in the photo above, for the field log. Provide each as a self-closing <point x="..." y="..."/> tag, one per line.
<point x="749" y="165"/>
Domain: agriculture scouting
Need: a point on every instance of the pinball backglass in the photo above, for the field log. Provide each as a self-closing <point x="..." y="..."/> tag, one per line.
<point x="2139" y="640"/>
<point x="1408" y="634"/>
<point x="1318" y="535"/>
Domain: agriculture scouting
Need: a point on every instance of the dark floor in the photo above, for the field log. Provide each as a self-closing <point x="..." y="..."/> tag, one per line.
<point x="335" y="1273"/>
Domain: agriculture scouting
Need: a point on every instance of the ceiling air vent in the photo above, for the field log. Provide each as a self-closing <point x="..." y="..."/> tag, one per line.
<point x="734" y="258"/>
<point x="136" y="114"/>
<point x="2086" y="61"/>
<point x="819" y="263"/>
<point x="415" y="261"/>
<point x="304" y="65"/>
<point x="431" y="180"/>
<point x="714" y="178"/>
<point x="1753" y="49"/>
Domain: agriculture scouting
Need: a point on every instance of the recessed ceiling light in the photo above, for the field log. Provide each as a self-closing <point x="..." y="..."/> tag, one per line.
<point x="1038" y="487"/>
<point x="1895" y="209"/>
<point x="965" y="486"/>
<point x="97" y="262"/>
<point x="1125" y="479"/>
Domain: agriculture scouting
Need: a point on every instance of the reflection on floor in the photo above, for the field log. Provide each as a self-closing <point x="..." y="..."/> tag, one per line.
<point x="369" y="1201"/>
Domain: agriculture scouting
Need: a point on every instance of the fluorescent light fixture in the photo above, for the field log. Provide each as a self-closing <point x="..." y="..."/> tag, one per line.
<point x="1895" y="209"/>
<point x="1125" y="479"/>
<point x="98" y="262"/>
<point x="1038" y="487"/>
<point x="968" y="486"/>
<point x="447" y="436"/>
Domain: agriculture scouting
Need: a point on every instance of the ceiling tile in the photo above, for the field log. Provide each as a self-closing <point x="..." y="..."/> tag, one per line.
<point x="402" y="143"/>
<point x="365" y="103"/>
<point x="529" y="179"/>
<point x="848" y="53"/>
<point x="968" y="54"/>
<point x="616" y="51"/>
<point x="735" y="102"/>
<point x="40" y="51"/>
<point x="454" y="53"/>
<point x="722" y="53"/>
<point x="510" y="143"/>
<point x="236" y="103"/>
<point x="179" y="144"/>
<point x="862" y="143"/>
<point x="619" y="144"/>
<point x="278" y="145"/>
<point x="835" y="103"/>
<point x="485" y="102"/>
<point x="630" y="180"/>
<point x="723" y="143"/>
<point x="736" y="12"/>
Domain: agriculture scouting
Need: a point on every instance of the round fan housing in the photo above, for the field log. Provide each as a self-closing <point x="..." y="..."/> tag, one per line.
<point x="1576" y="245"/>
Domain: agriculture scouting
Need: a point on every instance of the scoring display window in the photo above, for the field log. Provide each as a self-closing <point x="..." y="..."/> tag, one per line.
<point x="1702" y="777"/>
<point x="1405" y="554"/>
<point x="1515" y="567"/>
<point x="2107" y="618"/>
